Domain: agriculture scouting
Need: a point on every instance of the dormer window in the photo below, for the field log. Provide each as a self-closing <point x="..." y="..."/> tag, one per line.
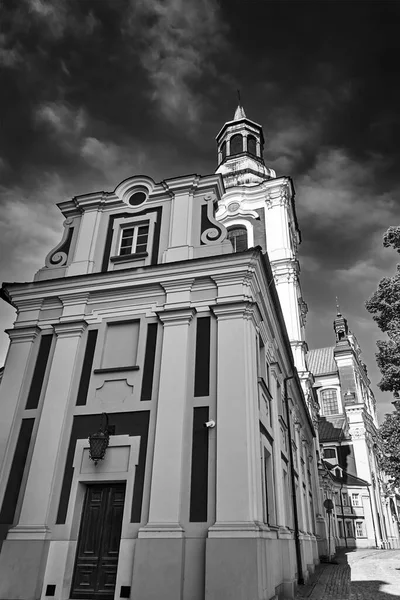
<point x="134" y="240"/>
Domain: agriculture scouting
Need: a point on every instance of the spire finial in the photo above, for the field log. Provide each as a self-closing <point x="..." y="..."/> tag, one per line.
<point x="239" y="112"/>
<point x="339" y="314"/>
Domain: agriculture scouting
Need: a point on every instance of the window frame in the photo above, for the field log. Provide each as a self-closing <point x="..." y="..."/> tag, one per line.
<point x="358" y="534"/>
<point x="357" y="495"/>
<point x="122" y="224"/>
<point x="328" y="413"/>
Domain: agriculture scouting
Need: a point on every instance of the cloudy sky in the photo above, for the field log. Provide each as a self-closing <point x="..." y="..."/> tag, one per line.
<point x="93" y="91"/>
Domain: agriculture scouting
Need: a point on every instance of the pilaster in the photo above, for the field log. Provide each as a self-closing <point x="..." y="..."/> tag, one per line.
<point x="38" y="498"/>
<point x="17" y="362"/>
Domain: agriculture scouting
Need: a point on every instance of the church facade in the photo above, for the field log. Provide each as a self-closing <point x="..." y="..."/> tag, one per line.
<point x="158" y="434"/>
<point x="365" y="514"/>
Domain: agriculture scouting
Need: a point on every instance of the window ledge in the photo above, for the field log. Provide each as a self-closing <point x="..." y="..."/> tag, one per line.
<point x="115" y="369"/>
<point x="128" y="257"/>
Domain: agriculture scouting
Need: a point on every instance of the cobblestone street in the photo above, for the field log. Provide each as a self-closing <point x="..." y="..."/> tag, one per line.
<point x="359" y="575"/>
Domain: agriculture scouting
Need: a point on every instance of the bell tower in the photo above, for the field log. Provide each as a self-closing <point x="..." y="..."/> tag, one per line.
<point x="240" y="145"/>
<point x="258" y="209"/>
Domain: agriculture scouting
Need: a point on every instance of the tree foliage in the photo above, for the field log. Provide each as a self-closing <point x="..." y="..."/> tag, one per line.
<point x="384" y="305"/>
<point x="389" y="433"/>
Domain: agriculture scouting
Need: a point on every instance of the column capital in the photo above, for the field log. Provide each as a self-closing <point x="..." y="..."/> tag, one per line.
<point x="237" y="310"/>
<point x="70" y="329"/>
<point x="23" y="334"/>
<point x="177" y="316"/>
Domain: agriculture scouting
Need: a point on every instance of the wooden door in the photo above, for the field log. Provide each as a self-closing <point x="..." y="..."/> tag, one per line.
<point x="96" y="560"/>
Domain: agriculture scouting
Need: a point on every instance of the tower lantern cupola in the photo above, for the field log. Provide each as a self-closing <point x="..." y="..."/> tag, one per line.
<point x="341" y="328"/>
<point x="240" y="146"/>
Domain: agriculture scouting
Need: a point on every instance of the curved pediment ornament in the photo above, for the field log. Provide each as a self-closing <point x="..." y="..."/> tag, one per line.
<point x="59" y="255"/>
<point x="211" y="232"/>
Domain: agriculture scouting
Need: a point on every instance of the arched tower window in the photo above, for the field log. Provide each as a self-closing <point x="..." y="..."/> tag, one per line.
<point x="238" y="237"/>
<point x="223" y="151"/>
<point x="252" y="145"/>
<point x="329" y="402"/>
<point x="236" y="144"/>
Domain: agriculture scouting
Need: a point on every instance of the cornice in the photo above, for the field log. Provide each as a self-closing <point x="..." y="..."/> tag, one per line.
<point x="176" y="316"/>
<point x="23" y="334"/>
<point x="70" y="329"/>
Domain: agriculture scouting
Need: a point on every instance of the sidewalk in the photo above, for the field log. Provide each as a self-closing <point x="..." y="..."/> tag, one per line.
<point x="330" y="581"/>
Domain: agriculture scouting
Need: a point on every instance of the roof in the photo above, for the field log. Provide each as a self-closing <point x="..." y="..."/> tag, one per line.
<point x="331" y="430"/>
<point x="321" y="361"/>
<point x="347" y="478"/>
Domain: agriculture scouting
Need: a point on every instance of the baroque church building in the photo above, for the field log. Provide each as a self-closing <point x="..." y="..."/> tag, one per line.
<point x="365" y="513"/>
<point x="159" y="432"/>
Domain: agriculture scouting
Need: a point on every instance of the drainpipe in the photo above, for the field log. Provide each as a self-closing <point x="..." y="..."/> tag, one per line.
<point x="372" y="515"/>
<point x="300" y="578"/>
<point x="343" y="517"/>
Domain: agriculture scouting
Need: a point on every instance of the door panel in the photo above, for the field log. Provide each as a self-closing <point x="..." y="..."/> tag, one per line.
<point x="98" y="544"/>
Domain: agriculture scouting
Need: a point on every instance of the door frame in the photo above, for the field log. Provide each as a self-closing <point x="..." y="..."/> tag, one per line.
<point x="109" y="485"/>
<point x="119" y="466"/>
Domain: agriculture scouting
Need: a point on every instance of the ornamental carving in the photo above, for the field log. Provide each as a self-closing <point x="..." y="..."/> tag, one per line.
<point x="357" y="433"/>
<point x="212" y="232"/>
<point x="59" y="255"/>
<point x="303" y="311"/>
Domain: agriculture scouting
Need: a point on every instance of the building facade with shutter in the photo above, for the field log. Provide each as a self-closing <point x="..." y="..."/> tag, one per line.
<point x="158" y="327"/>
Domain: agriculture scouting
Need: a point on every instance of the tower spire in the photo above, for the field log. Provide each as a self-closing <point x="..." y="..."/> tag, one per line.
<point x="239" y="112"/>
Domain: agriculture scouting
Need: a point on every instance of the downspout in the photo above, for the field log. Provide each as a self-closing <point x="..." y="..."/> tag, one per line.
<point x="341" y="496"/>
<point x="372" y="515"/>
<point x="300" y="578"/>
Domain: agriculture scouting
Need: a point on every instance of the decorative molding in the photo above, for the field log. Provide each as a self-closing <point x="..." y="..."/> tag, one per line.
<point x="70" y="329"/>
<point x="217" y="232"/>
<point x="180" y="316"/>
<point x="23" y="334"/>
<point x="59" y="255"/>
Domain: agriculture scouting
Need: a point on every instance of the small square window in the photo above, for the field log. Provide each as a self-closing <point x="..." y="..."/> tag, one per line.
<point x="134" y="240"/>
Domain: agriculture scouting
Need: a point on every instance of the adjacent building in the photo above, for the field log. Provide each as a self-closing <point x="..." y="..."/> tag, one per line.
<point x="166" y="330"/>
<point x="364" y="514"/>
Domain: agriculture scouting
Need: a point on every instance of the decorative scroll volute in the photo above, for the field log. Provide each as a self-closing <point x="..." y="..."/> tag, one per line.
<point x="212" y="232"/>
<point x="59" y="255"/>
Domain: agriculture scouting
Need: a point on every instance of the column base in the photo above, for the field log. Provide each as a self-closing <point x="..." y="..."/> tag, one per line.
<point x="158" y="568"/>
<point x="22" y="564"/>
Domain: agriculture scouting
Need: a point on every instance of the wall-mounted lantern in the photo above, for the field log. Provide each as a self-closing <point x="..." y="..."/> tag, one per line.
<point x="98" y="442"/>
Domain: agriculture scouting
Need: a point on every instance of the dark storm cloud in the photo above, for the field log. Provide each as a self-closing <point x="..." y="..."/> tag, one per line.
<point x="96" y="90"/>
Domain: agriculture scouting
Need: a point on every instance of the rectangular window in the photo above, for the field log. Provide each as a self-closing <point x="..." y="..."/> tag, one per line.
<point x="344" y="499"/>
<point x="16" y="472"/>
<point x="134" y="239"/>
<point x="269" y="489"/>
<point x="349" y="529"/>
<point x="341" y="534"/>
<point x="199" y="475"/>
<point x="120" y="347"/>
<point x="39" y="372"/>
<point x="86" y="367"/>
<point x="149" y="360"/>
<point x="202" y="361"/>
<point x="329" y="402"/>
<point x="360" y="529"/>
<point x="355" y="499"/>
<point x="329" y="453"/>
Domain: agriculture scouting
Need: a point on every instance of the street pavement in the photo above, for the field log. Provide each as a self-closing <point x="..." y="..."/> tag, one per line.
<point x="358" y="575"/>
